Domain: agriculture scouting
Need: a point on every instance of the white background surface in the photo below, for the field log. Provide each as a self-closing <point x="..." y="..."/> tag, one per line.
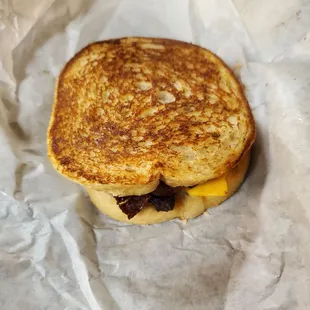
<point x="253" y="252"/>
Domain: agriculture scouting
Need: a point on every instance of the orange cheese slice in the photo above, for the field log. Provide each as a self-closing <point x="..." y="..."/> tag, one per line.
<point x="215" y="187"/>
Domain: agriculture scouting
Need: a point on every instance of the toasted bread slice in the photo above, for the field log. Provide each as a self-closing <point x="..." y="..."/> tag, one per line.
<point x="132" y="111"/>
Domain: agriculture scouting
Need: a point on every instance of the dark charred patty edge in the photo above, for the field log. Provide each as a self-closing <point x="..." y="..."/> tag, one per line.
<point x="162" y="199"/>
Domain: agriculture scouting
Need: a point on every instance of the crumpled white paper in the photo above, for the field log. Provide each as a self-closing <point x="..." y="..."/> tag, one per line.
<point x="252" y="252"/>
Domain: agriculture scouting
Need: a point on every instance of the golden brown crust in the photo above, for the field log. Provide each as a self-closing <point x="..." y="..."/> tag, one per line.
<point x="131" y="111"/>
<point x="186" y="207"/>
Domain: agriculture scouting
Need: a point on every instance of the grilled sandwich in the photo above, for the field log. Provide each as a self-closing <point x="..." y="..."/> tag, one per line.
<point x="154" y="129"/>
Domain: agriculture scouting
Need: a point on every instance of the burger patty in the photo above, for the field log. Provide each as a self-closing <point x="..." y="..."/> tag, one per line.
<point x="162" y="199"/>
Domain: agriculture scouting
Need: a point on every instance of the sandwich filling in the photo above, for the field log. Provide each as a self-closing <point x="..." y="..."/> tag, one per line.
<point x="162" y="199"/>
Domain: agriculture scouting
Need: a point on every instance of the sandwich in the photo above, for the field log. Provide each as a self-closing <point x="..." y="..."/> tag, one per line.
<point x="154" y="129"/>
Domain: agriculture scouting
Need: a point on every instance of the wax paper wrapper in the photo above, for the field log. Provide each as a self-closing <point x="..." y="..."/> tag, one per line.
<point x="252" y="252"/>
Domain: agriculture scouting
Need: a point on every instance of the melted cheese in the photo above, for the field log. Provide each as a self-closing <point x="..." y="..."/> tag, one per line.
<point x="219" y="186"/>
<point x="215" y="187"/>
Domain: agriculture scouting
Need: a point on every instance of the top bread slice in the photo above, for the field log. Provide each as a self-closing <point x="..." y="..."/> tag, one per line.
<point x="132" y="111"/>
